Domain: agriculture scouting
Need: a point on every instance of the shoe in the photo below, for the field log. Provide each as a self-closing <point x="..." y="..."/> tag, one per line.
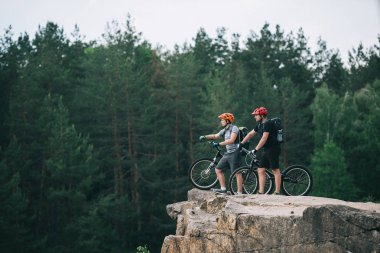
<point x="276" y="193"/>
<point x="260" y="193"/>
<point x="220" y="191"/>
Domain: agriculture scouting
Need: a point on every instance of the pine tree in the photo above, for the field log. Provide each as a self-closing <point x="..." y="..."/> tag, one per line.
<point x="69" y="174"/>
<point x="364" y="65"/>
<point x="14" y="221"/>
<point x="326" y="110"/>
<point x="331" y="178"/>
<point x="364" y="143"/>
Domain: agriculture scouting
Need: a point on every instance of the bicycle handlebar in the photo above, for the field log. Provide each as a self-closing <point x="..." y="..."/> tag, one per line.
<point x="212" y="144"/>
<point x="248" y="152"/>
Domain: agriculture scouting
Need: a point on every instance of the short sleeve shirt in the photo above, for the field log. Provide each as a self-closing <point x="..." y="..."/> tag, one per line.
<point x="267" y="126"/>
<point x="226" y="132"/>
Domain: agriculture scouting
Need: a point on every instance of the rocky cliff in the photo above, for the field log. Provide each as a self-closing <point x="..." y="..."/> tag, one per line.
<point x="268" y="223"/>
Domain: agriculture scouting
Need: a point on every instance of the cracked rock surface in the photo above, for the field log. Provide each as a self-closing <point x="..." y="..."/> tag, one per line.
<point x="268" y="223"/>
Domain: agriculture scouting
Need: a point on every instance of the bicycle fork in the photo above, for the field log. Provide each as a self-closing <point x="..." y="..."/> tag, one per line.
<point x="208" y="170"/>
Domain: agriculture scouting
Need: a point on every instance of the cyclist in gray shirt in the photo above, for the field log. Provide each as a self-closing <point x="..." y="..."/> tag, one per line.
<point x="231" y="158"/>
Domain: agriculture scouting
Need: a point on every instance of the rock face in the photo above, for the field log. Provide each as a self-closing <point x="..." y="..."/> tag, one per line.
<point x="269" y="223"/>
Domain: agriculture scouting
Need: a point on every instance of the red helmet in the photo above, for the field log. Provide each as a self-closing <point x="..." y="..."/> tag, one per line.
<point x="227" y="116"/>
<point x="260" y="111"/>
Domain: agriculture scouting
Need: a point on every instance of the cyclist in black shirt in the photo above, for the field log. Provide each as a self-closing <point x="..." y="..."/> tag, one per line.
<point x="270" y="156"/>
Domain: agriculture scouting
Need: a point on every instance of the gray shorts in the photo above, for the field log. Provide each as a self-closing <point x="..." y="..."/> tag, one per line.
<point x="229" y="160"/>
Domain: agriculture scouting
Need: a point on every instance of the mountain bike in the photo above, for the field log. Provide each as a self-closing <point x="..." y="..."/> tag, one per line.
<point x="296" y="180"/>
<point x="202" y="171"/>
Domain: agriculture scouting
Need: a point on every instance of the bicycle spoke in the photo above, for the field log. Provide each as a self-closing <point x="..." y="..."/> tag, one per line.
<point x="250" y="181"/>
<point x="202" y="175"/>
<point x="297" y="181"/>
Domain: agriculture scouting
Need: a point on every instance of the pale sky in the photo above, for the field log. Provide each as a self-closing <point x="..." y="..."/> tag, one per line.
<point x="343" y="24"/>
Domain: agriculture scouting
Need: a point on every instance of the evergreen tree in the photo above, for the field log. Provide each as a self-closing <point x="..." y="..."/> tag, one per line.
<point x="94" y="231"/>
<point x="298" y="139"/>
<point x="336" y="75"/>
<point x="325" y="109"/>
<point x="68" y="175"/>
<point x="364" y="65"/>
<point x="362" y="153"/>
<point x="13" y="56"/>
<point x="331" y="178"/>
<point x="14" y="221"/>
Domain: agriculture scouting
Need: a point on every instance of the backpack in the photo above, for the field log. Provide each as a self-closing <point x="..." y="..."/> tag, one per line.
<point x="243" y="131"/>
<point x="278" y="127"/>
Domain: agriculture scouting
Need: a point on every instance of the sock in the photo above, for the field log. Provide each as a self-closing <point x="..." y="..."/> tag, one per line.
<point x="223" y="188"/>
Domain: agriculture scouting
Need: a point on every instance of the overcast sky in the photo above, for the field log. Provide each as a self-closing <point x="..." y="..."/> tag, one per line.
<point x="343" y="24"/>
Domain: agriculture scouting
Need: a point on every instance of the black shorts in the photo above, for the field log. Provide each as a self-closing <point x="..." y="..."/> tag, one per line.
<point x="229" y="160"/>
<point x="270" y="158"/>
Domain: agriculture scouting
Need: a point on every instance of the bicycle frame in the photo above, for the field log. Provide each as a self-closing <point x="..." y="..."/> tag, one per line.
<point x="255" y="162"/>
<point x="217" y="156"/>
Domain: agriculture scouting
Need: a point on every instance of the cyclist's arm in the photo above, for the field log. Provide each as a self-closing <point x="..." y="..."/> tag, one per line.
<point x="263" y="140"/>
<point x="248" y="136"/>
<point x="212" y="136"/>
<point x="231" y="140"/>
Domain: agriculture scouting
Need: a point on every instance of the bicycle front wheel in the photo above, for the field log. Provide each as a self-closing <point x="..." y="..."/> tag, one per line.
<point x="296" y="181"/>
<point x="202" y="174"/>
<point x="250" y="180"/>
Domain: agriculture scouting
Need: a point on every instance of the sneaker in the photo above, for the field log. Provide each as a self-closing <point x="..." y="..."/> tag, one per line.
<point x="276" y="193"/>
<point x="260" y="193"/>
<point x="219" y="191"/>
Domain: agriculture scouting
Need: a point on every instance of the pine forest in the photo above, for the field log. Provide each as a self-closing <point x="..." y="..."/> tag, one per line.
<point x="96" y="138"/>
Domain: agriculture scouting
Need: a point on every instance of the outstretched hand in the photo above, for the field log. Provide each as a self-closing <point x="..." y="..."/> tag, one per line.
<point x="202" y="138"/>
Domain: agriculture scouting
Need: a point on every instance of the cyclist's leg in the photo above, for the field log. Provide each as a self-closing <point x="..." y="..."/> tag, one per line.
<point x="221" y="178"/>
<point x="264" y="163"/>
<point x="277" y="179"/>
<point x="274" y="161"/>
<point x="222" y="164"/>
<point x="261" y="173"/>
<point x="239" y="181"/>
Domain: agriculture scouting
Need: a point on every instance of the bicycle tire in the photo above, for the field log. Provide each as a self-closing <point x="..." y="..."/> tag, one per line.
<point x="269" y="183"/>
<point x="296" y="181"/>
<point x="250" y="180"/>
<point x="201" y="175"/>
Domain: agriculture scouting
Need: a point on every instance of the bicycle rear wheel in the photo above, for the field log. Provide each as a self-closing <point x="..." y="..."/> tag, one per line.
<point x="250" y="180"/>
<point x="296" y="181"/>
<point x="202" y="174"/>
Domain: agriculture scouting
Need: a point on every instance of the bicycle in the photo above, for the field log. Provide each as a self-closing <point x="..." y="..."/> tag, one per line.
<point x="296" y="180"/>
<point x="202" y="171"/>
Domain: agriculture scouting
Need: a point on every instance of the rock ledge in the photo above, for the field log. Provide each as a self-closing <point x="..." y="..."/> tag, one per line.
<point x="266" y="223"/>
